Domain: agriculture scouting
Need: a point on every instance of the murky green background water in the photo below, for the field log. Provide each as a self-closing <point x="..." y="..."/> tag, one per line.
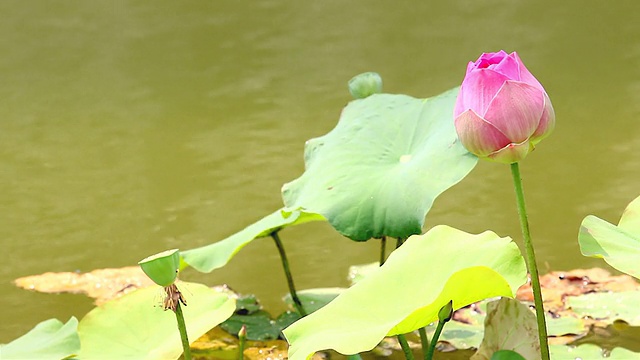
<point x="127" y="128"/>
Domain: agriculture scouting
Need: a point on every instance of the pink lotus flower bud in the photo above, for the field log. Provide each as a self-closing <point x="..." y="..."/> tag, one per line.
<point x="502" y="111"/>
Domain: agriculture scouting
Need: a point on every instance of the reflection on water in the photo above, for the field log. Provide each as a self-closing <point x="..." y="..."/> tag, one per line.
<point x="127" y="129"/>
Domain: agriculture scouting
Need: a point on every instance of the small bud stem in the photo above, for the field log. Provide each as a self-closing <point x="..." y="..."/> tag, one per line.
<point x="531" y="261"/>
<point x="434" y="341"/>
<point x="285" y="265"/>
<point x="242" y="340"/>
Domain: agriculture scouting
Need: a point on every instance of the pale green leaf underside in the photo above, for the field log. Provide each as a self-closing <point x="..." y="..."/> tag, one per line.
<point x="509" y="325"/>
<point x="618" y="245"/>
<point x="135" y="326"/>
<point x="379" y="170"/>
<point x="49" y="340"/>
<point x="216" y="255"/>
<point x="406" y="293"/>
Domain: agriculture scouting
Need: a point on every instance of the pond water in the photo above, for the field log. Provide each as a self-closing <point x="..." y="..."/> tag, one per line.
<point x="128" y="128"/>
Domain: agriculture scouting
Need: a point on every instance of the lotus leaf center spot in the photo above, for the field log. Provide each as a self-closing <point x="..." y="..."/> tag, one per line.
<point x="405" y="158"/>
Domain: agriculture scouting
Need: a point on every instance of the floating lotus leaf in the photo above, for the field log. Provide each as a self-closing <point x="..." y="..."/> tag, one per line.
<point x="409" y="289"/>
<point x="216" y="255"/>
<point x="618" y="245"/>
<point x="314" y="299"/>
<point x="590" y="352"/>
<point x="509" y="325"/>
<point x="379" y="170"/>
<point x="49" y="340"/>
<point x="135" y="326"/>
<point x="608" y="307"/>
<point x="565" y="325"/>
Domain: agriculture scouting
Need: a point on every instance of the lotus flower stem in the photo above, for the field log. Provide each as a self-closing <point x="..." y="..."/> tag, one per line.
<point x="424" y="340"/>
<point x="531" y="261"/>
<point x="399" y="242"/>
<point x="383" y="249"/>
<point x="183" y="332"/>
<point x="408" y="354"/>
<point x="285" y="265"/>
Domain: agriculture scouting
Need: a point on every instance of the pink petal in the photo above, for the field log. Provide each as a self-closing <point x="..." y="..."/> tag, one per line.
<point x="478" y="136"/>
<point x="547" y="122"/>
<point x="488" y="59"/>
<point x="511" y="153"/>
<point x="516" y="110"/>
<point x="459" y="106"/>
<point x="508" y="67"/>
<point x="525" y="75"/>
<point x="478" y="89"/>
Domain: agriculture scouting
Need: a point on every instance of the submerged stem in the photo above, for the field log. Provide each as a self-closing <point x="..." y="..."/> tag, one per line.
<point x="408" y="354"/>
<point x="383" y="249"/>
<point x="424" y="341"/>
<point x="285" y="265"/>
<point x="531" y="261"/>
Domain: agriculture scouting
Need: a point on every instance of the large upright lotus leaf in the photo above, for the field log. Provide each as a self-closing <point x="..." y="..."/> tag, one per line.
<point x="618" y="245"/>
<point x="216" y="255"/>
<point x="379" y="170"/>
<point x="406" y="293"/>
<point x="49" y="340"/>
<point x="135" y="326"/>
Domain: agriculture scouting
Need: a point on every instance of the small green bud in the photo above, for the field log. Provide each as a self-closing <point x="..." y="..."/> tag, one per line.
<point x="163" y="267"/>
<point x="365" y="84"/>
<point x="446" y="313"/>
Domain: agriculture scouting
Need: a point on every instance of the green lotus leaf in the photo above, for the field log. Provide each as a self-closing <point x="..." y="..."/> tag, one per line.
<point x="216" y="255"/>
<point x="49" y="340"/>
<point x="506" y="355"/>
<point x="409" y="289"/>
<point x="259" y="326"/>
<point x="359" y="272"/>
<point x="565" y="325"/>
<point x="509" y="325"/>
<point x="379" y="170"/>
<point x="314" y="299"/>
<point x="618" y="245"/>
<point x="608" y="306"/>
<point x="591" y="352"/>
<point x="135" y="326"/>
<point x="459" y="335"/>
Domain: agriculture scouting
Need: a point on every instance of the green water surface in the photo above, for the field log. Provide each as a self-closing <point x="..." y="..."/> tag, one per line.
<point x="132" y="127"/>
